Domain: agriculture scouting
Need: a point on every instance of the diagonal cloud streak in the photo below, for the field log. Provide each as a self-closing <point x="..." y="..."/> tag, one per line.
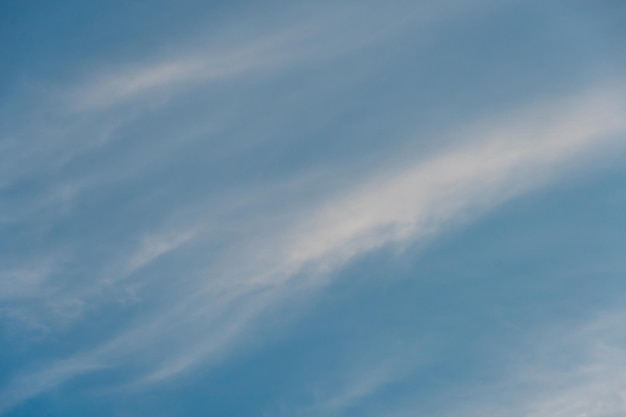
<point x="407" y="202"/>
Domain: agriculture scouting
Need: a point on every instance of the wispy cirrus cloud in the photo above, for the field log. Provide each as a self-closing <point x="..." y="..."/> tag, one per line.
<point x="482" y="170"/>
<point x="70" y="120"/>
<point x="286" y="39"/>
<point x="132" y="83"/>
<point x="572" y="369"/>
<point x="213" y="310"/>
<point x="69" y="124"/>
<point x="298" y="36"/>
<point x="397" y="206"/>
<point x="113" y="177"/>
<point x="354" y="383"/>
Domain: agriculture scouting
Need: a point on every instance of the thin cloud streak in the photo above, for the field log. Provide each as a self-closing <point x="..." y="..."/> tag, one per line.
<point x="410" y="204"/>
<point x="67" y="121"/>
<point x="133" y="83"/>
<point x="590" y="382"/>
<point x="89" y="118"/>
<point x="357" y="383"/>
<point x="395" y="206"/>
<point x="489" y="168"/>
<point x="315" y="37"/>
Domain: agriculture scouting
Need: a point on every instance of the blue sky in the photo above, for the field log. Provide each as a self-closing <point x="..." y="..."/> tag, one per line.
<point x="297" y="209"/>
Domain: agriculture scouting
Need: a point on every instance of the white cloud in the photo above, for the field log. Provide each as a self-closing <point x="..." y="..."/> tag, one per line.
<point x="571" y="371"/>
<point x="155" y="246"/>
<point x="26" y="386"/>
<point x="355" y="382"/>
<point x="400" y="204"/>
<point x="298" y="35"/>
<point x="131" y="83"/>
<point x="487" y="168"/>
<point x="23" y="282"/>
<point x="413" y="201"/>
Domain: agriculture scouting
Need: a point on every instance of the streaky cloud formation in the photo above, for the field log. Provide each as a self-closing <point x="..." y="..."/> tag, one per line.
<point x="414" y="202"/>
<point x="307" y="40"/>
<point x="570" y="372"/>
<point x="192" y="213"/>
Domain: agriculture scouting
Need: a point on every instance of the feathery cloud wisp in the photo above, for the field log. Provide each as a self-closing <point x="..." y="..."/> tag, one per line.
<point x="396" y="205"/>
